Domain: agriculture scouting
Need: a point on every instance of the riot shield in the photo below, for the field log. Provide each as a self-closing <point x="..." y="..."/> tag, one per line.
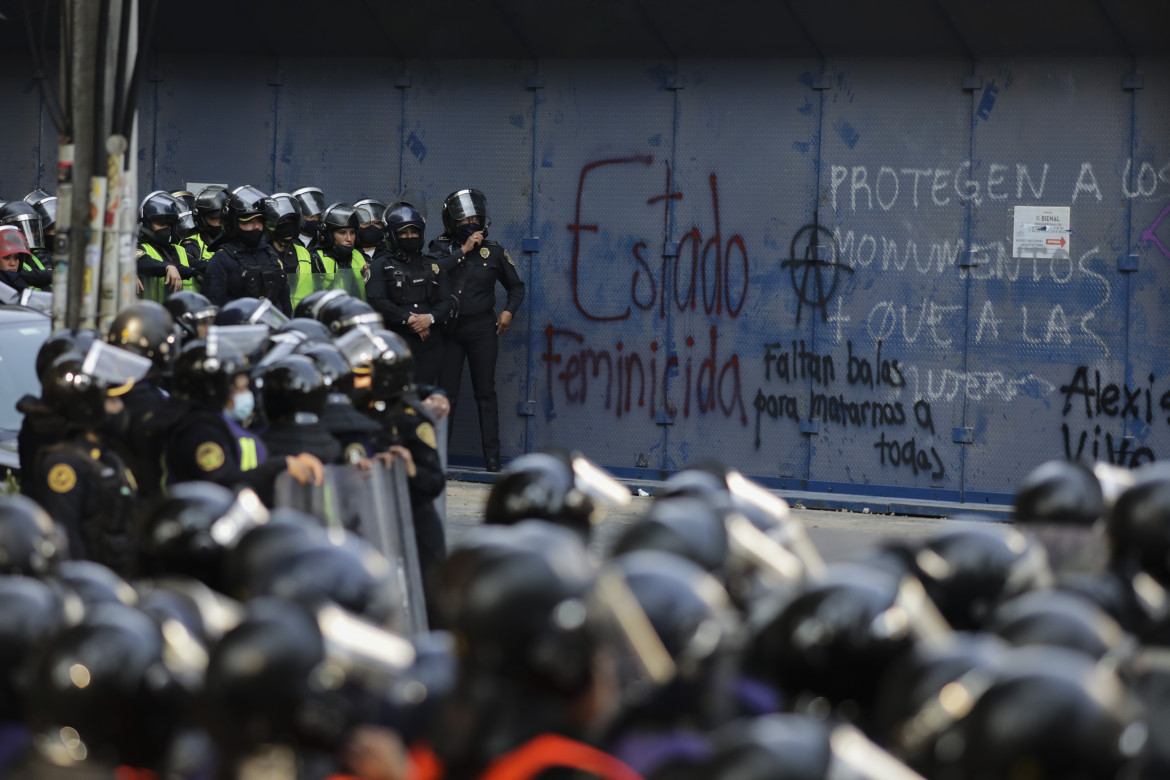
<point x="345" y="279"/>
<point x="441" y="427"/>
<point x="154" y="288"/>
<point x="374" y="504"/>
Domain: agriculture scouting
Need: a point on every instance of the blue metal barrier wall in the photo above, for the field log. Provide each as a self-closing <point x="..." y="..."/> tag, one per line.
<point x="802" y="268"/>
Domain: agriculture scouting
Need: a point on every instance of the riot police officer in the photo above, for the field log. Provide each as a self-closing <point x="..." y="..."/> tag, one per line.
<point x="310" y="202"/>
<point x="33" y="269"/>
<point x="210" y="443"/>
<point x="371" y="230"/>
<point x="86" y="486"/>
<point x="209" y="205"/>
<point x="282" y="225"/>
<point x="192" y="312"/>
<point x="159" y="255"/>
<point x="340" y="261"/>
<point x="187" y="231"/>
<point x="475" y="265"/>
<point x="245" y="265"/>
<point x="13" y="250"/>
<point x="294" y="394"/>
<point x="411" y="293"/>
<point x="46" y="206"/>
<point x="353" y="430"/>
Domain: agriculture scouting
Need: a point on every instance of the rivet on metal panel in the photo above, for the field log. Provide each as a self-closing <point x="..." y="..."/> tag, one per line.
<point x="812" y="427"/>
<point x="676" y="81"/>
<point x="824" y="81"/>
<point x="663" y="417"/>
<point x="967" y="259"/>
<point x="1127" y="263"/>
<point x="963" y="435"/>
<point x="1133" y="81"/>
<point x="534" y="81"/>
<point x="276" y="78"/>
<point x="402" y="80"/>
<point x="973" y="81"/>
<point x="670" y="249"/>
<point x="526" y="408"/>
<point x="531" y="244"/>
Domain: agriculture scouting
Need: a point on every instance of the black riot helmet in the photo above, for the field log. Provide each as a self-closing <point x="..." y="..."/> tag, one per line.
<point x="370" y="210"/>
<point x="292" y="388"/>
<point x="77" y="396"/>
<point x="107" y="679"/>
<point x="371" y="231"/>
<point x="94" y="584"/>
<point x="968" y="571"/>
<point x="400" y="216"/>
<point x="261" y="549"/>
<point x="46" y="206"/>
<point x="1060" y="492"/>
<point x="696" y="627"/>
<point x="1049" y="714"/>
<point x="189" y="533"/>
<point x="282" y="217"/>
<point x="514" y="597"/>
<point x="314" y="331"/>
<point x="251" y="311"/>
<point x="334" y="368"/>
<point x="1139" y="525"/>
<point x="310" y="202"/>
<point x="31" y="544"/>
<point x="61" y="342"/>
<point x="146" y="328"/>
<point x="31" y="613"/>
<point x="384" y="356"/>
<point x="245" y="203"/>
<point x="558" y="486"/>
<point x="687" y="527"/>
<point x="342" y="314"/>
<point x="838" y="636"/>
<point x="337" y="217"/>
<point x="187" y="226"/>
<point x="193" y="312"/>
<point x="462" y="204"/>
<point x="1056" y="618"/>
<point x="210" y="202"/>
<point x="205" y="373"/>
<point x="311" y="304"/>
<point x="159" y="207"/>
<point x="26" y="219"/>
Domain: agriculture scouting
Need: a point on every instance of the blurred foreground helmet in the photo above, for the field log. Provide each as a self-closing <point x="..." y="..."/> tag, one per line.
<point x="836" y="638"/>
<point x="95" y="584"/>
<point x="61" y="342"/>
<point x="311" y="304"/>
<point x="342" y="314"/>
<point x="260" y="549"/>
<point x="193" y="312"/>
<point x="1057" y="619"/>
<point x="1049" y="714"/>
<point x="687" y="527"/>
<point x="26" y="219"/>
<point x="384" y="356"/>
<point x="1061" y="504"/>
<point x="462" y="204"/>
<point x="515" y="599"/>
<point x="290" y="387"/>
<point x="800" y="748"/>
<point x="251" y="311"/>
<point x="331" y="363"/>
<point x="31" y="613"/>
<point x="1139" y="525"/>
<point x="76" y="396"/>
<point x="561" y="487"/>
<point x="146" y="328"/>
<point x="205" y="373"/>
<point x="967" y="571"/>
<point x="189" y="532"/>
<point x="311" y="329"/>
<point x="30" y="542"/>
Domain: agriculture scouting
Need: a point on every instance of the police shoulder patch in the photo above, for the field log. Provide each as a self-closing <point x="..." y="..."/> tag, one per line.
<point x="209" y="456"/>
<point x="408" y="410"/>
<point x="508" y="257"/>
<point x="62" y="478"/>
<point x="484" y="252"/>
<point x="426" y="434"/>
<point x="139" y="253"/>
<point x="355" y="453"/>
<point x="435" y="268"/>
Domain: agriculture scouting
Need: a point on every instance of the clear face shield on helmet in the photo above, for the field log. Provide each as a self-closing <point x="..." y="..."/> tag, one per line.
<point x="467" y="203"/>
<point x="118" y="368"/>
<point x="268" y="315"/>
<point x="245" y="513"/>
<point x="788" y="530"/>
<point x="29" y="226"/>
<point x="310" y="201"/>
<point x="246" y="340"/>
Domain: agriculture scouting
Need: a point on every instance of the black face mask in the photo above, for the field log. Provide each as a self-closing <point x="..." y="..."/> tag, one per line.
<point x="285" y="231"/>
<point x="249" y="238"/>
<point x="410" y="246"/>
<point x="213" y="232"/>
<point x="371" y="235"/>
<point x="464" y="232"/>
<point x="164" y="236"/>
<point x="310" y="227"/>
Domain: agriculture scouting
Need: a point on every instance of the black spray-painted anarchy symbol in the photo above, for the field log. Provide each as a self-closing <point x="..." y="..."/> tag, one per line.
<point x="805" y="254"/>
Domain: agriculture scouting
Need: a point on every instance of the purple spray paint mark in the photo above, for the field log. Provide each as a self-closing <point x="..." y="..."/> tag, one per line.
<point x="1149" y="236"/>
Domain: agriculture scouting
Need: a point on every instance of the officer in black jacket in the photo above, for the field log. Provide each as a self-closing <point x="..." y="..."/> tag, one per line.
<point x="246" y="266"/>
<point x="294" y="395"/>
<point x="159" y="254"/>
<point x="475" y="266"/>
<point x="410" y="292"/>
<point x="83" y="485"/>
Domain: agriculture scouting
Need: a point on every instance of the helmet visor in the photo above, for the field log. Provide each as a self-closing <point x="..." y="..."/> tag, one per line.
<point x="467" y="203"/>
<point x="30" y="227"/>
<point x="117" y="367"/>
<point x="267" y="314"/>
<point x="12" y="240"/>
<point x="362" y="346"/>
<point x="310" y="201"/>
<point x="244" y="339"/>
